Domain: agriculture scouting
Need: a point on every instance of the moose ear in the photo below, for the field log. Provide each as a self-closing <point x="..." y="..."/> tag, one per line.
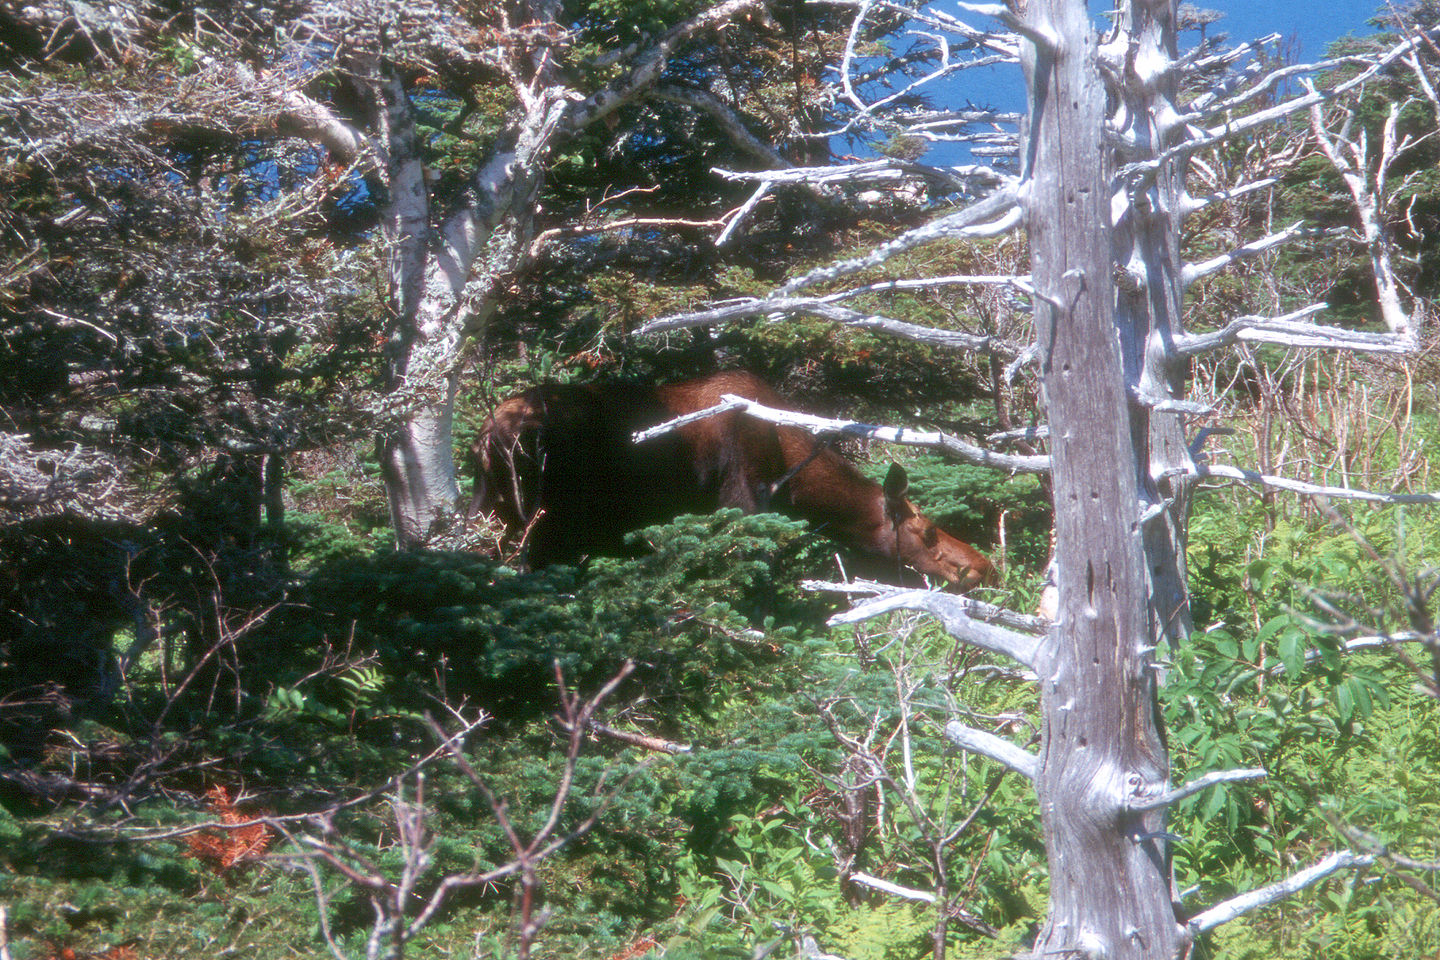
<point x="897" y="509"/>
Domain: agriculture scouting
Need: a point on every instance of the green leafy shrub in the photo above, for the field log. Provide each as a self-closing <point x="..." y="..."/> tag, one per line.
<point x="1343" y="736"/>
<point x="685" y="612"/>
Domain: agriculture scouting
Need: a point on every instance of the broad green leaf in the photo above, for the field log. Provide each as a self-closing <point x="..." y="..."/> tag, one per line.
<point x="1292" y="652"/>
<point x="1225" y="645"/>
<point x="1260" y="573"/>
<point x="1344" y="701"/>
<point x="1272" y="626"/>
<point x="1361" y="691"/>
<point x="780" y="890"/>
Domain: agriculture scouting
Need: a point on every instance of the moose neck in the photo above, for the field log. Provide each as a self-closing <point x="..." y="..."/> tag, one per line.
<point x="829" y="491"/>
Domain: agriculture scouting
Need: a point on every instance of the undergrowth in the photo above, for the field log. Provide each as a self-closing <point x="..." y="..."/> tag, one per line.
<point x="737" y="818"/>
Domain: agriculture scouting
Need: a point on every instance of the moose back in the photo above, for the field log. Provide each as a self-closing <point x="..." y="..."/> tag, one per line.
<point x="556" y="465"/>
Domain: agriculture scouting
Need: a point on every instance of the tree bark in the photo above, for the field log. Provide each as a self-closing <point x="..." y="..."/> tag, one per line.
<point x="418" y="467"/>
<point x="1148" y="215"/>
<point x="1110" y="883"/>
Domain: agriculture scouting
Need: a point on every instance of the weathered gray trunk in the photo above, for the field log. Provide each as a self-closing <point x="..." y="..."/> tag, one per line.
<point x="418" y="467"/>
<point x="1148" y="214"/>
<point x="444" y="284"/>
<point x="1110" y="881"/>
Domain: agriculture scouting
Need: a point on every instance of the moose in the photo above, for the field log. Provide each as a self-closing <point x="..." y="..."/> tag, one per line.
<point x="557" y="467"/>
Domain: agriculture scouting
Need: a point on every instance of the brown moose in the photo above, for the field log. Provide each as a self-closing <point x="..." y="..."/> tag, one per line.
<point x="556" y="465"/>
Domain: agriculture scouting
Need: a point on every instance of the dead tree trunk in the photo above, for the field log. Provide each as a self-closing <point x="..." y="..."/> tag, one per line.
<point x="1101" y="192"/>
<point x="1110" y="883"/>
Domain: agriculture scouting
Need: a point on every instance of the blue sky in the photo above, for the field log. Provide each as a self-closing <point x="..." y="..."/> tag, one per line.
<point x="1313" y="22"/>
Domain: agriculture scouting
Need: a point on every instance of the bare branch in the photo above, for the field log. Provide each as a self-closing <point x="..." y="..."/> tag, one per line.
<point x="392" y="784"/>
<point x="649" y="64"/>
<point x="1358" y="644"/>
<point x="826" y="180"/>
<point x="1198" y="64"/>
<point x="995" y="748"/>
<point x="847" y="56"/>
<point x="968" y="452"/>
<point x="1365" y="178"/>
<point x="728" y="120"/>
<point x="1041" y="38"/>
<point x="996" y="214"/>
<point x="1225" y="472"/>
<point x="1422" y="76"/>
<point x="638" y="739"/>
<point x="894" y="889"/>
<point x="1230" y="129"/>
<point x="315" y="121"/>
<point x="826" y="308"/>
<point x="575" y="716"/>
<point x="1194" y="271"/>
<point x="1288" y="331"/>
<point x="75" y="480"/>
<point x="884" y="170"/>
<point x="936" y="50"/>
<point x="1387" y="859"/>
<point x="935" y="17"/>
<point x="741" y="213"/>
<point x="1251" y="85"/>
<point x="975" y="609"/>
<point x="929" y="283"/>
<point x="1177" y="794"/>
<point x="822" y="425"/>
<point x="1021" y="435"/>
<point x="1194" y="204"/>
<point x="954" y="617"/>
<point x="730" y="403"/>
<point x="1237" y="907"/>
<point x="626" y="223"/>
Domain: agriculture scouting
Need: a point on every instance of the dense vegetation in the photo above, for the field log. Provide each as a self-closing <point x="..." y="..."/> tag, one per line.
<point x="339" y="689"/>
<point x="234" y="720"/>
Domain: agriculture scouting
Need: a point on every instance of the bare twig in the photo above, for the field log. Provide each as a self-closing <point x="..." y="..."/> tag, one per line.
<point x="1237" y="907"/>
<point x="1225" y="472"/>
<point x="954" y="446"/>
<point x="954" y="617"/>
<point x="894" y="889"/>
<point x="1288" y="331"/>
<point x="975" y="609"/>
<point x="657" y="744"/>
<point x="995" y="748"/>
<point x="1173" y="796"/>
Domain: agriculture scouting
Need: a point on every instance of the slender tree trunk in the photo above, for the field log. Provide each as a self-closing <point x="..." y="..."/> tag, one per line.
<point x="1110" y="882"/>
<point x="418" y="467"/>
<point x="448" y="272"/>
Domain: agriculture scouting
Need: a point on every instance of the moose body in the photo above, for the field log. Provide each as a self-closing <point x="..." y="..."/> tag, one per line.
<point x="557" y="466"/>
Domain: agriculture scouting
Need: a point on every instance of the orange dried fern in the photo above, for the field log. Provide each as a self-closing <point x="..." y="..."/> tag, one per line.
<point x="120" y="952"/>
<point x="222" y="848"/>
<point x="637" y="949"/>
